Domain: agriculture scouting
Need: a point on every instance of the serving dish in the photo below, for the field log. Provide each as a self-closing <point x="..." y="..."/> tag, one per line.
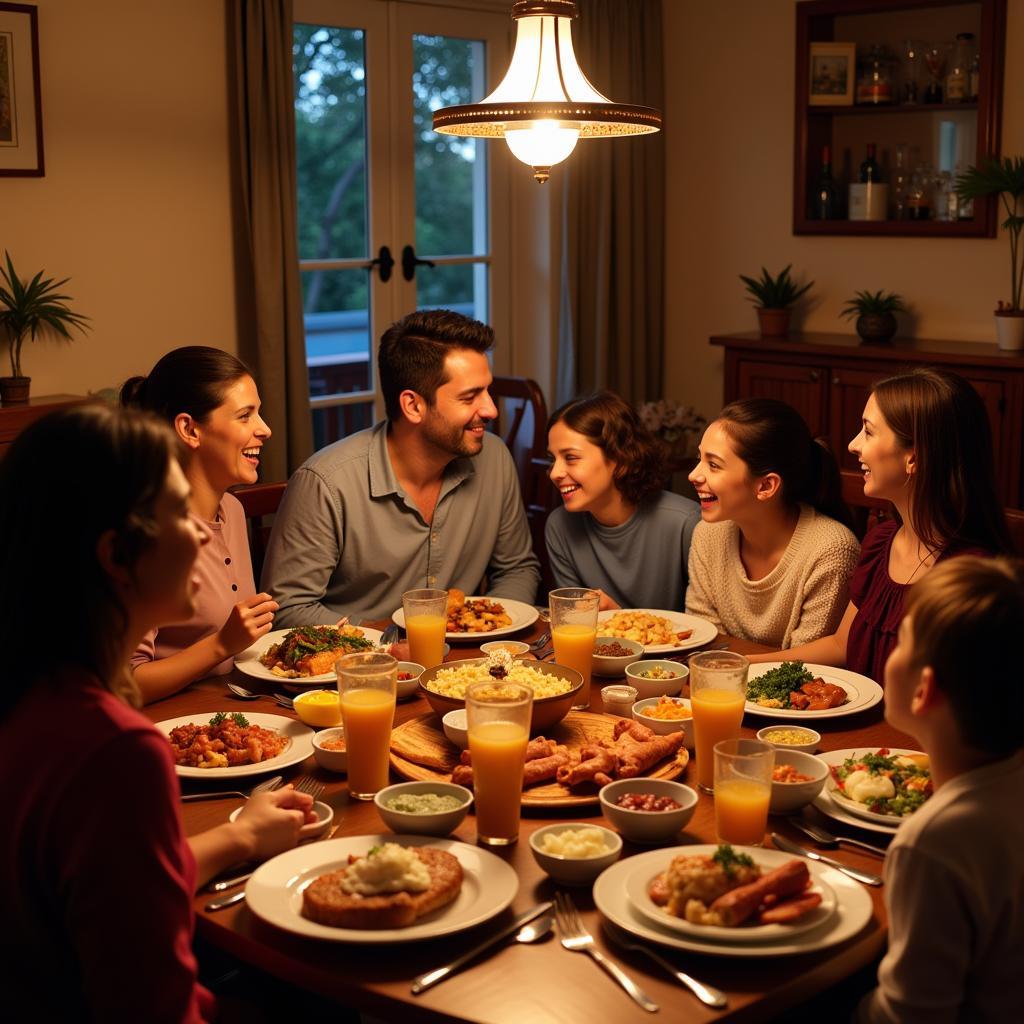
<point x="788" y="797"/>
<point x="647" y="688"/>
<point x="605" y="665"/>
<point x="809" y="747"/>
<point x="332" y="760"/>
<point x="664" y="726"/>
<point x="441" y="823"/>
<point x="648" y="826"/>
<point x="574" y="870"/>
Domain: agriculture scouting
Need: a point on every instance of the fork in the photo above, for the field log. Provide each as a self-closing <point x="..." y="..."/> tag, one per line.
<point x="577" y="939"/>
<point x="263" y="787"/>
<point x="307" y="784"/>
<point x="540" y="642"/>
<point x="707" y="994"/>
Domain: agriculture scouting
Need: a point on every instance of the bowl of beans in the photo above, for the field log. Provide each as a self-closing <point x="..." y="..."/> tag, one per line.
<point x="790" y="737"/>
<point x="408" y="679"/>
<point x="613" y="653"/>
<point x="647" y="810"/>
<point x="796" y="780"/>
<point x="654" y="678"/>
<point x="664" y="715"/>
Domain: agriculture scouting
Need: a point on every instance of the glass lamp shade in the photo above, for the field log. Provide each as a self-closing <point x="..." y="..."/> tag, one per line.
<point x="541" y="144"/>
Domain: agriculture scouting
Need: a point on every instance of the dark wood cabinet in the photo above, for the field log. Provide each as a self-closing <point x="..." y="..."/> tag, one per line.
<point x="15" y="418"/>
<point x="828" y="378"/>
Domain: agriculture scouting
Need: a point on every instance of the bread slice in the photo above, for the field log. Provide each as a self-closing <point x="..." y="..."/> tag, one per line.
<point x="326" y="902"/>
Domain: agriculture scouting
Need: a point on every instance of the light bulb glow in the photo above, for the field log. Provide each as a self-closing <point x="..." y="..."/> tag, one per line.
<point x="541" y="143"/>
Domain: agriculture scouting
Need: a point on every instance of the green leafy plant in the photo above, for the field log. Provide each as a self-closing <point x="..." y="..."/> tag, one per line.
<point x="864" y="303"/>
<point x="28" y="310"/>
<point x="1003" y="178"/>
<point x="774" y="292"/>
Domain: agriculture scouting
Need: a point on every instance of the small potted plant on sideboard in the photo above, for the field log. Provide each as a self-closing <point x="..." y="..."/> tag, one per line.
<point x="773" y="297"/>
<point x="28" y="309"/>
<point x="874" y="311"/>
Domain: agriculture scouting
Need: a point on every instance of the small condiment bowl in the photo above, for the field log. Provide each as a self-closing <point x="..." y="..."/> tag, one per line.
<point x="788" y="797"/>
<point x="619" y="699"/>
<point x="808" y="746"/>
<point x="440" y="823"/>
<point x="605" y="665"/>
<point x="406" y="688"/>
<point x="455" y="728"/>
<point x="575" y="870"/>
<point x="318" y="708"/>
<point x="514" y="647"/>
<point x="656" y="687"/>
<point x="332" y="760"/>
<point x="324" y="819"/>
<point x="648" y="826"/>
<point x="665" y="726"/>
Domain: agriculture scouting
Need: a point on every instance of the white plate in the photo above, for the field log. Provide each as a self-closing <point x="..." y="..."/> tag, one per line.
<point x="703" y="631"/>
<point x="522" y="615"/>
<point x="274" y="893"/>
<point x="853" y="907"/>
<point x="300" y="747"/>
<point x="639" y="879"/>
<point x="862" y="693"/>
<point x="849" y="811"/>
<point x="249" y="660"/>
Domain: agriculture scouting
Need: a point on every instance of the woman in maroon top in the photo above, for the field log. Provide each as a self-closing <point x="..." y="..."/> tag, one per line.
<point x="925" y="445"/>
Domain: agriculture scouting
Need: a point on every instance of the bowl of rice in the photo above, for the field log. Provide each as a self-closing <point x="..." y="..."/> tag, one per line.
<point x="555" y="687"/>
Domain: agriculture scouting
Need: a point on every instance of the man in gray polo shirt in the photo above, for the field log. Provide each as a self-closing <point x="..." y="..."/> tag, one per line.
<point x="428" y="498"/>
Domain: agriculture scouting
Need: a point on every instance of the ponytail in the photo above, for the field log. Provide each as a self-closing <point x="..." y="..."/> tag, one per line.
<point x="825" y="490"/>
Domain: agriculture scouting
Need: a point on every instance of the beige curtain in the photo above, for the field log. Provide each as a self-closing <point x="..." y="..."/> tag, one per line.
<point x="611" y="320"/>
<point x="271" y="335"/>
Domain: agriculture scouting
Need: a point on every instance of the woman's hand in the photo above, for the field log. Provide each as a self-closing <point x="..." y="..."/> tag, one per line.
<point x="271" y="821"/>
<point x="607" y="603"/>
<point x="248" y="621"/>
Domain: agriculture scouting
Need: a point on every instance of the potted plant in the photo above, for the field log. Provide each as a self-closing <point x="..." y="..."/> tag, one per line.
<point x="1003" y="178"/>
<point x="773" y="296"/>
<point x="874" y="312"/>
<point x="26" y="311"/>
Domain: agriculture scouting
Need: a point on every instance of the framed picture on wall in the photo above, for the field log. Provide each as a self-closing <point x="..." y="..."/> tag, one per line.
<point x="833" y="69"/>
<point x="21" y="115"/>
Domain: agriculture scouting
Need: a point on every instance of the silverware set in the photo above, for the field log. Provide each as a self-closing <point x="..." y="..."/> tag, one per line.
<point x="263" y="787"/>
<point x="243" y="694"/>
<point x="829" y="841"/>
<point x="782" y="843"/>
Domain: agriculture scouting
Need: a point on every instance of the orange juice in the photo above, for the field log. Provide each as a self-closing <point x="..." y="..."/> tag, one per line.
<point x="368" y="716"/>
<point x="499" y="753"/>
<point x="574" y="648"/>
<point x="741" y="811"/>
<point x="716" y="716"/>
<point x="426" y="639"/>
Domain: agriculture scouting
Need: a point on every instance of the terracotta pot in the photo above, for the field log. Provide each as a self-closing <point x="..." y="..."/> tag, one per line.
<point x="1010" y="330"/>
<point x="774" y="323"/>
<point x="876" y="328"/>
<point x="14" y="390"/>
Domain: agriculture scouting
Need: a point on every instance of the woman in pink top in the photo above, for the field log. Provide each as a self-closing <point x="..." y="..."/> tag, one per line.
<point x="210" y="400"/>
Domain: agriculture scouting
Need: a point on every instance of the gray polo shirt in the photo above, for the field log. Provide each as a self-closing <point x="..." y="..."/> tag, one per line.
<point x="348" y="541"/>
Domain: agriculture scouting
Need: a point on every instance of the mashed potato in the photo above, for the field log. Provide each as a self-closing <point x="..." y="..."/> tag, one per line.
<point x="574" y="843"/>
<point x="452" y="682"/>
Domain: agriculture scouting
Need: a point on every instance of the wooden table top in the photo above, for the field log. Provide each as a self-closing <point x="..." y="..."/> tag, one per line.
<point x="542" y="982"/>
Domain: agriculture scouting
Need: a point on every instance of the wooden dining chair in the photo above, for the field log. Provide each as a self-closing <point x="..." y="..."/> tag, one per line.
<point x="259" y="501"/>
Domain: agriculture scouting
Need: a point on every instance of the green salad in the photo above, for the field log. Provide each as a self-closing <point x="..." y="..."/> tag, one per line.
<point x="777" y="684"/>
<point x="884" y="782"/>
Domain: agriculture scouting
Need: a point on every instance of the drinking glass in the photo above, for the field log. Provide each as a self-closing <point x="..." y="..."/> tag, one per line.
<point x="366" y="690"/>
<point x="574" y="630"/>
<point x="743" y="790"/>
<point x="498" y="721"/>
<point x="425" y="625"/>
<point x="718" y="691"/>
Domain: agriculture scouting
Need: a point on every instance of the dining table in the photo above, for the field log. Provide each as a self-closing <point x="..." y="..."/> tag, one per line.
<point x="540" y="982"/>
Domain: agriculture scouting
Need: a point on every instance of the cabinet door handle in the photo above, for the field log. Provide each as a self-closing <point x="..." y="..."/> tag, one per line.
<point x="814" y="375"/>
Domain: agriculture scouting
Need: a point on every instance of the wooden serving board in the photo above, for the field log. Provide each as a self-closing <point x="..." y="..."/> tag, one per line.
<point x="420" y="751"/>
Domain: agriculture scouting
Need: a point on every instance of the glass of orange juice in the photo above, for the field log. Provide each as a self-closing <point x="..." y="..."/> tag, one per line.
<point x="426" y="622"/>
<point x="743" y="790"/>
<point x="366" y="691"/>
<point x="498" y="720"/>
<point x="718" y="691"/>
<point x="574" y="630"/>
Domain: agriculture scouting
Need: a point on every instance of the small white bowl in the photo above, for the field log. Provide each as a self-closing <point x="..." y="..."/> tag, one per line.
<point x="664" y="726"/>
<point x="575" y="870"/>
<point x="315" y="829"/>
<point x="648" y="826"/>
<point x="407" y="688"/>
<point x="440" y="824"/>
<point x="788" y="797"/>
<point x="514" y="647"/>
<point x="318" y="708"/>
<point x="455" y="728"/>
<point x="656" y="687"/>
<point x="332" y="760"/>
<point x="608" y="666"/>
<point x="809" y="746"/>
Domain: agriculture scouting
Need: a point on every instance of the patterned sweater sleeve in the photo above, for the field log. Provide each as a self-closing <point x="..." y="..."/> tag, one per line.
<point x="699" y="599"/>
<point x="826" y="591"/>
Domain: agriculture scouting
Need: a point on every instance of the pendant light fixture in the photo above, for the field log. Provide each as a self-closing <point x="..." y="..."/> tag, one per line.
<point x="544" y="103"/>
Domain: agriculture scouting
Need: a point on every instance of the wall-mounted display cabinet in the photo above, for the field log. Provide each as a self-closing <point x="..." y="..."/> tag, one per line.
<point x="894" y="98"/>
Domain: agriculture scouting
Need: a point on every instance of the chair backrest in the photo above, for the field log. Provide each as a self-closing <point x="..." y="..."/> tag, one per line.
<point x="259" y="501"/>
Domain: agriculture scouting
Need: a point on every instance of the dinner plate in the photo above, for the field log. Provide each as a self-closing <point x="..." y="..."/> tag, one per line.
<point x="300" y="747"/>
<point x="842" y="808"/>
<point x="522" y="615"/>
<point x="862" y="693"/>
<point x="853" y="908"/>
<point x="249" y="660"/>
<point x="703" y="631"/>
<point x="639" y="879"/>
<point x="274" y="893"/>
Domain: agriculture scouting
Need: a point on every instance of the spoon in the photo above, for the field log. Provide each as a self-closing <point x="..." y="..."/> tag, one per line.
<point x="535" y="929"/>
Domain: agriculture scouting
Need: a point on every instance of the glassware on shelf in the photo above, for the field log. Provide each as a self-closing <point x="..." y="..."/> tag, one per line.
<point x="874" y="77"/>
<point x="910" y="71"/>
<point x="944" y="198"/>
<point x="900" y="182"/>
<point x="919" y="194"/>
<point x="935" y="55"/>
<point x="958" y="73"/>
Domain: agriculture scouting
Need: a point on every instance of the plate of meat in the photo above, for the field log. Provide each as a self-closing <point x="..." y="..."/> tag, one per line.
<point x="306" y="655"/>
<point x="791" y="689"/>
<point x="471" y="618"/>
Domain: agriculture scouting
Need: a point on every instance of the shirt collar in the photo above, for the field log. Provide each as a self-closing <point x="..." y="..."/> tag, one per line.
<point x="382" y="476"/>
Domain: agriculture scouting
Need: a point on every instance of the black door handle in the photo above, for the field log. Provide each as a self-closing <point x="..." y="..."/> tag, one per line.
<point x="384" y="263"/>
<point x="410" y="263"/>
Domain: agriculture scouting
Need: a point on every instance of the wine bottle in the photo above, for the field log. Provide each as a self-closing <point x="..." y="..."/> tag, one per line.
<point x="825" y="202"/>
<point x="869" y="169"/>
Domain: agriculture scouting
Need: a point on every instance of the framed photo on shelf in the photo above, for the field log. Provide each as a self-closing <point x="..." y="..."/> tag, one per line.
<point x="21" y="115"/>
<point x="833" y="70"/>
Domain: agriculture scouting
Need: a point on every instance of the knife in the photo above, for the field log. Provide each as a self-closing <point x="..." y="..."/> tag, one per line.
<point x="425" y="981"/>
<point x="790" y="847"/>
<point x="228" y="883"/>
<point x="225" y="901"/>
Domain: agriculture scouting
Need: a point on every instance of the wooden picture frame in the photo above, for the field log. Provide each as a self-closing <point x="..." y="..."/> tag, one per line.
<point x="21" y="112"/>
<point x="832" y="74"/>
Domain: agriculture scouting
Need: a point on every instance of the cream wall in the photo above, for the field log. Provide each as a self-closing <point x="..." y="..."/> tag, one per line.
<point x="135" y="205"/>
<point x="729" y="137"/>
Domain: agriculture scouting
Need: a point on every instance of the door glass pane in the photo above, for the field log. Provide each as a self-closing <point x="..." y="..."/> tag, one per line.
<point x="462" y="287"/>
<point x="329" y="67"/>
<point x="337" y="322"/>
<point x="451" y="172"/>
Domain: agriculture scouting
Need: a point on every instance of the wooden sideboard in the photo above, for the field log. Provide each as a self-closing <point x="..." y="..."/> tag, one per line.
<point x="828" y="378"/>
<point x="15" y="418"/>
